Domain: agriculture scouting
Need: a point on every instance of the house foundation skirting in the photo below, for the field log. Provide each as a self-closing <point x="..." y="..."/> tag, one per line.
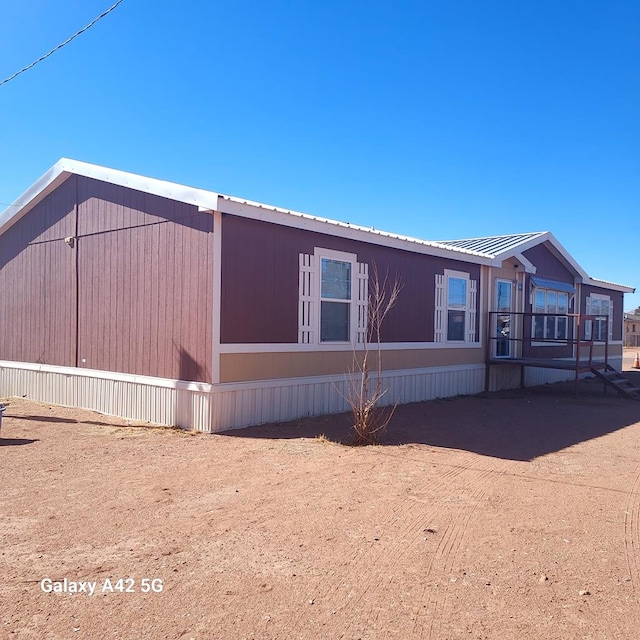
<point x="206" y="407"/>
<point x="212" y="408"/>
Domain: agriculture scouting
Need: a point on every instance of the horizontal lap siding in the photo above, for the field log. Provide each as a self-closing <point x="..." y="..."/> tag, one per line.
<point x="241" y="367"/>
<point x="37" y="283"/>
<point x="260" y="263"/>
<point x="145" y="285"/>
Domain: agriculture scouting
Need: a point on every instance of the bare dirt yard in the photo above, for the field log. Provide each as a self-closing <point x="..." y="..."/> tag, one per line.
<point x="510" y="515"/>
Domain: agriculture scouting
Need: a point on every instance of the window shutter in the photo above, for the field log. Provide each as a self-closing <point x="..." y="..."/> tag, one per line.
<point x="306" y="302"/>
<point x="440" y="313"/>
<point x="472" y="306"/>
<point x="588" y="324"/>
<point x="362" y="302"/>
<point x="610" y="319"/>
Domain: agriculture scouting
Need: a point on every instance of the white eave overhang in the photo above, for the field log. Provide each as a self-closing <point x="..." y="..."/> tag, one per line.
<point x="614" y="286"/>
<point x="64" y="168"/>
<point x="209" y="201"/>
<point x="285" y="217"/>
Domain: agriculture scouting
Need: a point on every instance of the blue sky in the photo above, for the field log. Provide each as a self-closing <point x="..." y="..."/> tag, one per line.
<point x="438" y="120"/>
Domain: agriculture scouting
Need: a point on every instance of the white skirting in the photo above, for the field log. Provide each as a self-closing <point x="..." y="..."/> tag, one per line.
<point x="206" y="407"/>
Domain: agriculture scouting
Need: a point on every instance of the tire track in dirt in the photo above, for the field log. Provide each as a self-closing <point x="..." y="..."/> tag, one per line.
<point x="436" y="595"/>
<point x="632" y="533"/>
<point x="366" y="573"/>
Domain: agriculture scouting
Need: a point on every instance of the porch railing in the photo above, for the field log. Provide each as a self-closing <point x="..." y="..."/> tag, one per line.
<point x="512" y="336"/>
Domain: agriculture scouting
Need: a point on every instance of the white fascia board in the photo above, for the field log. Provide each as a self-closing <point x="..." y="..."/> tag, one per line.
<point x="529" y="267"/>
<point x="42" y="187"/>
<point x="519" y="249"/>
<point x="586" y="278"/>
<point x="284" y="217"/>
<point x="61" y="170"/>
<point x="565" y="255"/>
<point x="614" y="286"/>
<point x="580" y="273"/>
<point x="207" y="200"/>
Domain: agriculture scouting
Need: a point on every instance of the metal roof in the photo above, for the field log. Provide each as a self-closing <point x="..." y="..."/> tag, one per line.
<point x="494" y="245"/>
<point x="490" y="250"/>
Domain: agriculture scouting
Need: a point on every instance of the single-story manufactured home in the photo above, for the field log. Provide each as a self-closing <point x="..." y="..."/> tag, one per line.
<point x="156" y="301"/>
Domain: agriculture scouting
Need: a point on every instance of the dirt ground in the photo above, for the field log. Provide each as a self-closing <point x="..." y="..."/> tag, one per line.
<point x="510" y="515"/>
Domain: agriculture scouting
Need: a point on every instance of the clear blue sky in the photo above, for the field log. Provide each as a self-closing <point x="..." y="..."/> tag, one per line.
<point x="438" y="120"/>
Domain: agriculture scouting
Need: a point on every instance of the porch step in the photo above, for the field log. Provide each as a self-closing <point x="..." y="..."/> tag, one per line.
<point x="617" y="381"/>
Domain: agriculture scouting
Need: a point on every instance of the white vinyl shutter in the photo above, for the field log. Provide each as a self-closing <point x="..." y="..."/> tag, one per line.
<point x="473" y="311"/>
<point x="440" y="310"/>
<point x="306" y="301"/>
<point x="362" y="302"/>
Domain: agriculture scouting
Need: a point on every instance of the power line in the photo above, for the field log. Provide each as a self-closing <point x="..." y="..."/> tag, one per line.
<point x="67" y="41"/>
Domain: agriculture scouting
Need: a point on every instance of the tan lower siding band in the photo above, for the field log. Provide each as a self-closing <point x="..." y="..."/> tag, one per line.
<point x="241" y="367"/>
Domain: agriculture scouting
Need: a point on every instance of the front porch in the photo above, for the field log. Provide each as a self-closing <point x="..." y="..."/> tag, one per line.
<point x="571" y="342"/>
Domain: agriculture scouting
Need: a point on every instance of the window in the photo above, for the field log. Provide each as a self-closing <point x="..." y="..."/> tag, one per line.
<point x="456" y="308"/>
<point x="455" y="316"/>
<point x="332" y="302"/>
<point x="335" y="300"/>
<point x="600" y="306"/>
<point x="551" y="327"/>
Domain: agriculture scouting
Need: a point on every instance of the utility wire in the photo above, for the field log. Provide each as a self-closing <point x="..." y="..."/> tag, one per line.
<point x="67" y="41"/>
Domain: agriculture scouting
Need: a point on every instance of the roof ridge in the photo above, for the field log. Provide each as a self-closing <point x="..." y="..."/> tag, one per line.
<point x="502" y="235"/>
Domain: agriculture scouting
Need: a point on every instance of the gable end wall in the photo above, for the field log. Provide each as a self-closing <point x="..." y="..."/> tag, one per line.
<point x="133" y="294"/>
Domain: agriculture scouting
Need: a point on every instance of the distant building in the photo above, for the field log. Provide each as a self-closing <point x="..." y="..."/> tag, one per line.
<point x="631" y="330"/>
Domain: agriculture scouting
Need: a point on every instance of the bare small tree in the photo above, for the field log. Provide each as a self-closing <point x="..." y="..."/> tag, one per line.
<point x="365" y="386"/>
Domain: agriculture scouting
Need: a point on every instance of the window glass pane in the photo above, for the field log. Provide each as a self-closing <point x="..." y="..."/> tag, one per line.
<point x="550" y="332"/>
<point x="457" y="293"/>
<point x="540" y="304"/>
<point x="563" y="303"/>
<point x="538" y="327"/>
<point x="336" y="279"/>
<point x="334" y="321"/>
<point x="595" y="306"/>
<point x="562" y="328"/>
<point x="504" y="296"/>
<point x="604" y="307"/>
<point x="455" y="325"/>
<point x="588" y="329"/>
<point x="552" y="298"/>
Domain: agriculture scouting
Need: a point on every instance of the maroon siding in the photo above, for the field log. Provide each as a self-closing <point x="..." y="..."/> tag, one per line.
<point x="145" y="283"/>
<point x="617" y="298"/>
<point x="548" y="265"/>
<point x="260" y="263"/>
<point x="142" y="300"/>
<point x="37" y="283"/>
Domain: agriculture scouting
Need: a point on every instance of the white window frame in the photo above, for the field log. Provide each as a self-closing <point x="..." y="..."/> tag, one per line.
<point x="441" y="321"/>
<point x="556" y="339"/>
<point x="310" y="297"/>
<point x="589" y="324"/>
